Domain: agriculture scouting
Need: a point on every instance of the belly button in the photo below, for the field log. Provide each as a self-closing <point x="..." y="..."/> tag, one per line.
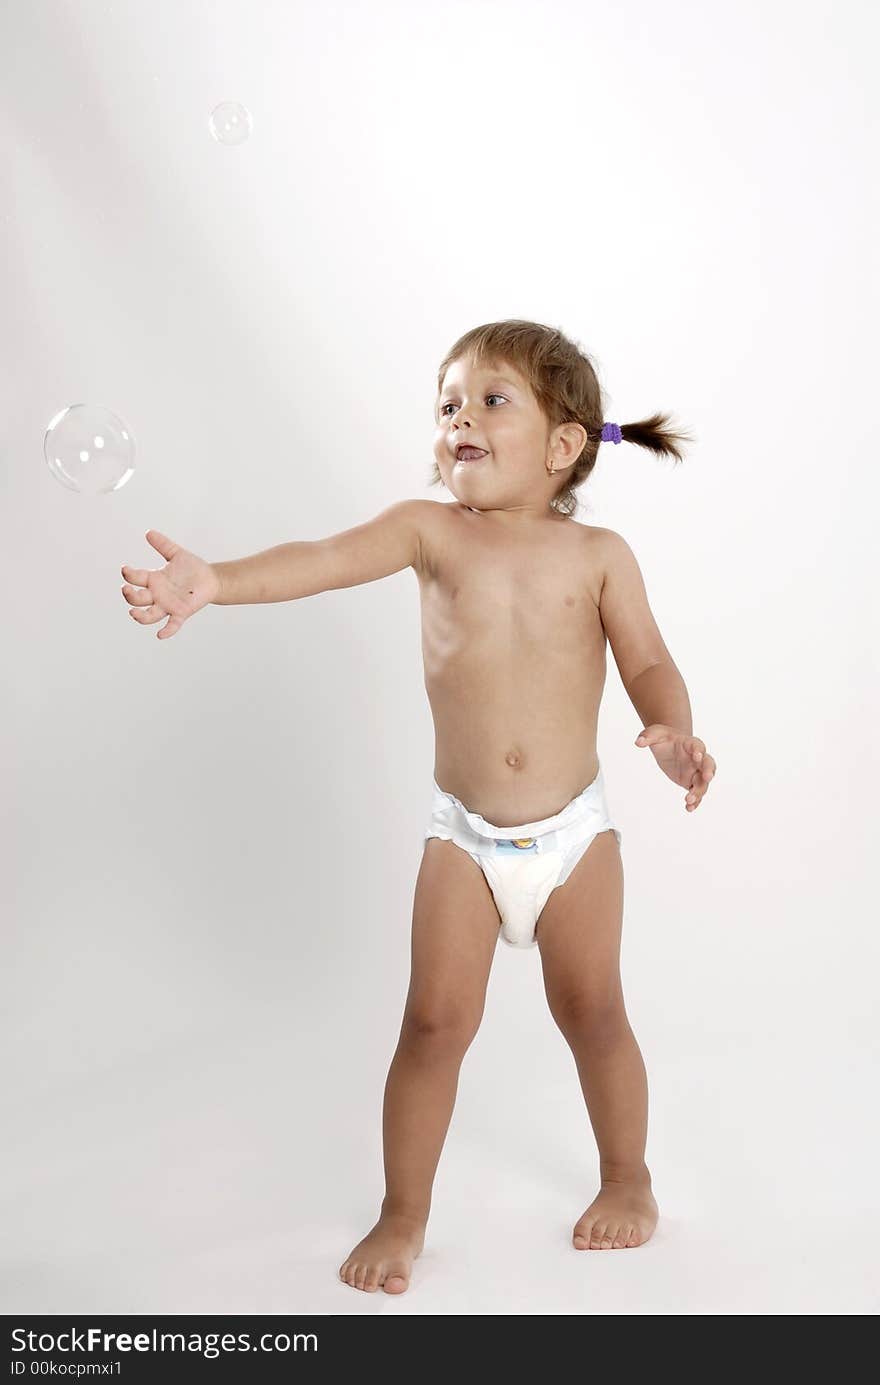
<point x="512" y="759"/>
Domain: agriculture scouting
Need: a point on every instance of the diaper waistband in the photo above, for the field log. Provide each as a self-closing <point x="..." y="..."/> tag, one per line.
<point x="589" y="800"/>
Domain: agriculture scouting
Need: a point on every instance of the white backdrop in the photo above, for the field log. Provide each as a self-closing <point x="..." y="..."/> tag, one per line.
<point x="205" y="956"/>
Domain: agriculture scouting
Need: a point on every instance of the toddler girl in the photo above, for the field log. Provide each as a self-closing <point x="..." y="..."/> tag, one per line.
<point x="518" y="600"/>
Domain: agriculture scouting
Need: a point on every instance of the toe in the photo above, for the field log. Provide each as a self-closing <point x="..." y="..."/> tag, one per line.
<point x="634" y="1237"/>
<point x="618" y="1238"/>
<point x="361" y="1276"/>
<point x="596" y="1236"/>
<point x="371" y="1283"/>
<point x="395" y="1284"/>
<point x="581" y="1234"/>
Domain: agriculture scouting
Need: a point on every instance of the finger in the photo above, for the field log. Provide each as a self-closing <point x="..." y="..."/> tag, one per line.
<point x="170" y="629"/>
<point x="651" y="734"/>
<point x="137" y="596"/>
<point x="695" y="748"/>
<point x="162" y="544"/>
<point x="138" y="576"/>
<point x="704" y="775"/>
<point x="697" y="791"/>
<point x="148" y="615"/>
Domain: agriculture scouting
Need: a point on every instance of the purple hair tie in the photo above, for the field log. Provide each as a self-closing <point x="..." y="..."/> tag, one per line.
<point x="611" y="432"/>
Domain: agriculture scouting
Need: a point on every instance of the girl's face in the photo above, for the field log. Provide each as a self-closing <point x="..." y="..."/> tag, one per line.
<point x="493" y="407"/>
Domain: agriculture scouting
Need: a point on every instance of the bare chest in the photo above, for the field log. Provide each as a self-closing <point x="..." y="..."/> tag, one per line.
<point x="506" y="599"/>
<point x="514" y="659"/>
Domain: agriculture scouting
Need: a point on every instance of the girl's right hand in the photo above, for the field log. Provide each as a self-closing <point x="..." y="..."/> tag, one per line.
<point x="183" y="586"/>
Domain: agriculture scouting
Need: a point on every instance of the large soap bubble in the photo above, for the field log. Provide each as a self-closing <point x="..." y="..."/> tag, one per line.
<point x="89" y="449"/>
<point x="230" y="122"/>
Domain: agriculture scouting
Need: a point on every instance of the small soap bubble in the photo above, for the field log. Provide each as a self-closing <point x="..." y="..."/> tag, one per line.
<point x="88" y="449"/>
<point x="230" y="122"/>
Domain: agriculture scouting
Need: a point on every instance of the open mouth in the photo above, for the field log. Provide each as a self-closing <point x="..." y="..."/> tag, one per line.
<point x="470" y="454"/>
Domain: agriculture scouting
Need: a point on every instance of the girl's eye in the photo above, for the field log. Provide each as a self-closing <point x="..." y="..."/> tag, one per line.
<point x="445" y="406"/>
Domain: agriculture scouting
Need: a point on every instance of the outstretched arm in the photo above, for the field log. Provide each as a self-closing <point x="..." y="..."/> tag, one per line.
<point x="365" y="553"/>
<point x="186" y="584"/>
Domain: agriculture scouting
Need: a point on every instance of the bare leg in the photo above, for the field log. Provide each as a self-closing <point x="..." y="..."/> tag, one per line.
<point x="579" y="939"/>
<point x="454" y="934"/>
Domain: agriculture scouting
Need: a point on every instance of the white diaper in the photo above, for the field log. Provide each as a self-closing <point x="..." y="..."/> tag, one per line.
<point x="524" y="864"/>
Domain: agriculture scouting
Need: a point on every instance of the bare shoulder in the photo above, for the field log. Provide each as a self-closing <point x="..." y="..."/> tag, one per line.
<point x="611" y="551"/>
<point x="622" y="585"/>
<point x="599" y="555"/>
<point x="428" y="511"/>
<point x="416" y="521"/>
<point x="606" y="539"/>
<point x="432" y="519"/>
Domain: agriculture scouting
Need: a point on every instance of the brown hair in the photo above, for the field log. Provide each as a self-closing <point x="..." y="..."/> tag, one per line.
<point x="565" y="384"/>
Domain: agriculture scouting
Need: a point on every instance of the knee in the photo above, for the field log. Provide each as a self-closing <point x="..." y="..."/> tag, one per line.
<point x="439" y="1027"/>
<point x="597" y="1019"/>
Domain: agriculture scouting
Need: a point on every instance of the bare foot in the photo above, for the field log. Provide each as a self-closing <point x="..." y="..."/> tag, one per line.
<point x="385" y="1255"/>
<point x="623" y="1214"/>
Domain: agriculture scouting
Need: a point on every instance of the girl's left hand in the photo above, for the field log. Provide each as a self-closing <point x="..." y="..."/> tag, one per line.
<point x="684" y="758"/>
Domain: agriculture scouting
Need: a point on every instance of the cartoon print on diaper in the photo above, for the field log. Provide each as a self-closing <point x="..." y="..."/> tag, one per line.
<point x="516" y="844"/>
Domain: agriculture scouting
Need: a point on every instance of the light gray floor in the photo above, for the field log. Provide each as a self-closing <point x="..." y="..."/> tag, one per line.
<point x="232" y="1173"/>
